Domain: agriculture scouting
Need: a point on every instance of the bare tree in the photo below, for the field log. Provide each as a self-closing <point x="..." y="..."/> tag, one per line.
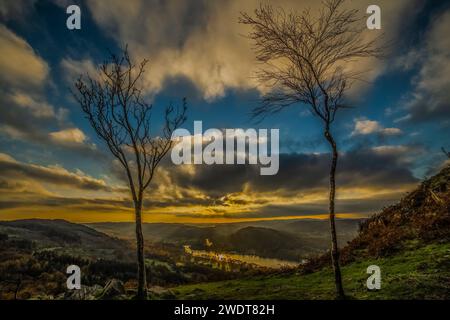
<point x="445" y="152"/>
<point x="113" y="102"/>
<point x="17" y="282"/>
<point x="304" y="58"/>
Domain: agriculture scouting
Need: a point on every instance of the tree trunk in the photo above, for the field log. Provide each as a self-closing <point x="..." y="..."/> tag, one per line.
<point x="334" y="245"/>
<point x="16" y="292"/>
<point x="142" y="283"/>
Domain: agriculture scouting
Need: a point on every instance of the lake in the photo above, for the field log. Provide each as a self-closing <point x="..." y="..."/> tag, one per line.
<point x="250" y="259"/>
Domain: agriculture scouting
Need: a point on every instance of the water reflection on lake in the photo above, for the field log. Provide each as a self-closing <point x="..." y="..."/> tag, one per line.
<point x="250" y="259"/>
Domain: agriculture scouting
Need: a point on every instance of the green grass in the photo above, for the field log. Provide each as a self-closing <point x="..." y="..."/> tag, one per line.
<point x="419" y="272"/>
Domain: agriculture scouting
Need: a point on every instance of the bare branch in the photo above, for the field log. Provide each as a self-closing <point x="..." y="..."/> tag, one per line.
<point x="113" y="103"/>
<point x="304" y="56"/>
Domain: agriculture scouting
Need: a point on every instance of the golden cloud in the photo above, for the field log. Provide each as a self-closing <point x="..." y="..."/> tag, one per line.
<point x="20" y="65"/>
<point x="203" y="41"/>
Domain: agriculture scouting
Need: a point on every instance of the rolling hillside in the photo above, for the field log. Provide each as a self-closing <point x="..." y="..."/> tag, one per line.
<point x="63" y="236"/>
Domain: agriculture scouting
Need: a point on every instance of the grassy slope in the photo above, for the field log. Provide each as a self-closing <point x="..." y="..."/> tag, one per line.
<point x="421" y="272"/>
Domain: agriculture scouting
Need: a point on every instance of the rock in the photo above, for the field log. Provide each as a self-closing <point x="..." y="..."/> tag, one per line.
<point x="157" y="290"/>
<point x="85" y="293"/>
<point x="162" y="293"/>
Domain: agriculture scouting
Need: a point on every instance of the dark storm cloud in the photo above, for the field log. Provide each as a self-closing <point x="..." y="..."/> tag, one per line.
<point x="57" y="202"/>
<point x="15" y="170"/>
<point x="430" y="99"/>
<point x="25" y="118"/>
<point x="428" y="106"/>
<point x="383" y="167"/>
<point x="364" y="207"/>
<point x="215" y="180"/>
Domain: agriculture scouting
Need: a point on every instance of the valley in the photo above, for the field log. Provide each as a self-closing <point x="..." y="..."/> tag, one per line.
<point x="291" y="240"/>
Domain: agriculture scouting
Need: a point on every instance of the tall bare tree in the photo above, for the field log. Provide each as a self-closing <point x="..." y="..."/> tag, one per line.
<point x="305" y="58"/>
<point x="113" y="102"/>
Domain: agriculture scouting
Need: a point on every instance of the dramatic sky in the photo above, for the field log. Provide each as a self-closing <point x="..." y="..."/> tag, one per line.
<point x="52" y="165"/>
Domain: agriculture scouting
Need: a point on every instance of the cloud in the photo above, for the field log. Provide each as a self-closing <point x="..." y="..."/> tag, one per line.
<point x="430" y="97"/>
<point x="353" y="207"/>
<point x="55" y="175"/>
<point x="25" y="113"/>
<point x="22" y="80"/>
<point x="38" y="109"/>
<point x="27" y="188"/>
<point x="303" y="175"/>
<point x="199" y="41"/>
<point x="82" y="204"/>
<point x="367" y="179"/>
<point x="74" y="68"/>
<point x="393" y="150"/>
<point x="367" y="127"/>
<point x="202" y="40"/>
<point x="20" y="65"/>
<point x="68" y="136"/>
<point x="16" y="10"/>
<point x="77" y="141"/>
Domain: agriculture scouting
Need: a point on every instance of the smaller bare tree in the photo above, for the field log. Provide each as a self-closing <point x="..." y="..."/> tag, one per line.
<point x="305" y="58"/>
<point x="114" y="105"/>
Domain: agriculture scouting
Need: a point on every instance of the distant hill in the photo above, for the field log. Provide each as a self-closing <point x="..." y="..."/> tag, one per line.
<point x="268" y="243"/>
<point x="63" y="235"/>
<point x="319" y="227"/>
<point x="289" y="240"/>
